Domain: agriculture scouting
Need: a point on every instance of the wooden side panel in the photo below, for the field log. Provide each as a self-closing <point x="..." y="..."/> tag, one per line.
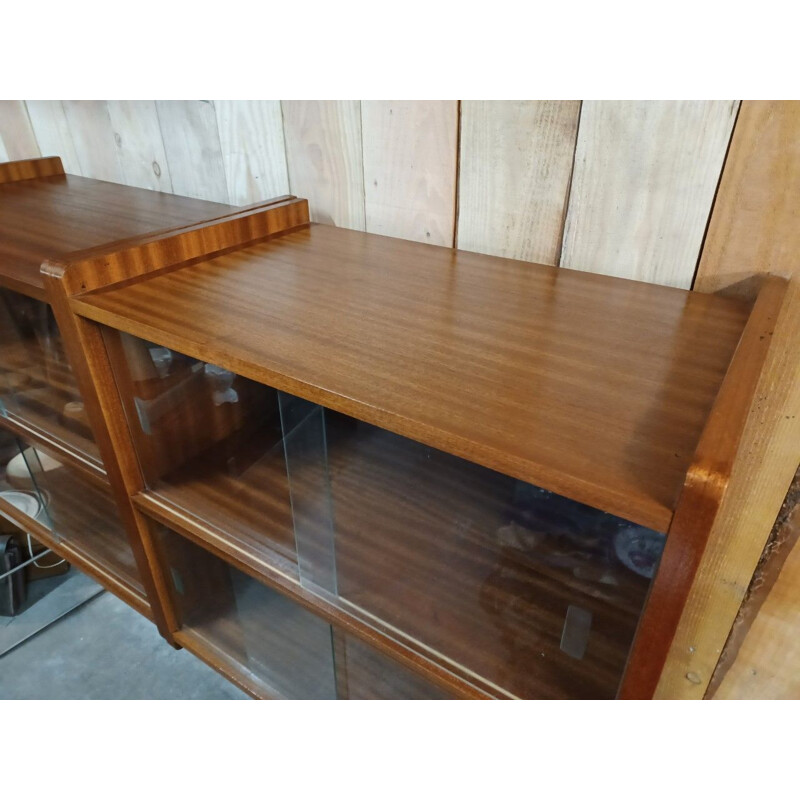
<point x="644" y="181"/>
<point x="53" y="134"/>
<point x="251" y="137"/>
<point x="707" y="486"/>
<point x="17" y="139"/>
<point x="755" y="228"/>
<point x="140" y="148"/>
<point x="410" y="168"/>
<point x="194" y="154"/>
<point x="323" y="152"/>
<point x="93" y="138"/>
<point x="516" y="164"/>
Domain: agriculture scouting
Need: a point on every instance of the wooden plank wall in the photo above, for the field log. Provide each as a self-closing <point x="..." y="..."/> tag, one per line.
<point x="625" y="188"/>
<point x="617" y="187"/>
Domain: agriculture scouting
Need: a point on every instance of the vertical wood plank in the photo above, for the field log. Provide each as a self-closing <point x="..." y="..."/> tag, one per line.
<point x="53" y="134"/>
<point x="755" y="228"/>
<point x="140" y="148"/>
<point x="516" y="164"/>
<point x="323" y="153"/>
<point x="251" y="137"/>
<point x="17" y="139"/>
<point x="409" y="150"/>
<point x="93" y="138"/>
<point x="643" y="184"/>
<point x="191" y="142"/>
<point x="767" y="666"/>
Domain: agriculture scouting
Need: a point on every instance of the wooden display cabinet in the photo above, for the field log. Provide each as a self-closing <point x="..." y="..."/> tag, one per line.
<point x="46" y="214"/>
<point x="497" y="476"/>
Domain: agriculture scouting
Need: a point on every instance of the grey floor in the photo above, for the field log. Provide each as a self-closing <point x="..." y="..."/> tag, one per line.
<point x="105" y="650"/>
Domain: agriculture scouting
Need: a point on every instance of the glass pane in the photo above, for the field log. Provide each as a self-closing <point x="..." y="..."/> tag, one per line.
<point x="531" y="592"/>
<point x="364" y="673"/>
<point x="510" y="585"/>
<point x="309" y="485"/>
<point x="37" y="386"/>
<point x="276" y="645"/>
<point x="18" y="486"/>
<point x="82" y="512"/>
<point x="209" y="443"/>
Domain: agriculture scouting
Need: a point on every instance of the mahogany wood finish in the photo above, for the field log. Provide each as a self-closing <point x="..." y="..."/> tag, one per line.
<point x="46" y="215"/>
<point x="625" y="396"/>
<point x="57" y="214"/>
<point x="602" y="390"/>
<point x="11" y="171"/>
<point x="88" y="354"/>
<point x="703" y="493"/>
<point x="590" y="386"/>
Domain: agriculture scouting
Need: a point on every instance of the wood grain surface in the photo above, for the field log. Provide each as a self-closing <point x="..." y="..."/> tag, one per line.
<point x="17" y="139"/>
<point x="324" y="157"/>
<point x="592" y="387"/>
<point x="707" y="484"/>
<point x="54" y="216"/>
<point x="194" y="152"/>
<point x="516" y="165"/>
<point x="93" y="138"/>
<point x="765" y="663"/>
<point x="53" y="134"/>
<point x="643" y="185"/>
<point x="253" y="150"/>
<point x="26" y="169"/>
<point x="409" y="151"/>
<point x="755" y="228"/>
<point x="140" y="147"/>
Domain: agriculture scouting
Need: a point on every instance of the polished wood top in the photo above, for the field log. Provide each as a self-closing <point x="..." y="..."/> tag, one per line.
<point x="53" y="216"/>
<point x="594" y="387"/>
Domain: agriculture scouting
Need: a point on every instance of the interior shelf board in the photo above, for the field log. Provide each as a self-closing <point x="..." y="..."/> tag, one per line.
<point x="57" y="441"/>
<point x="469" y="573"/>
<point x="594" y="387"/>
<point x="84" y="559"/>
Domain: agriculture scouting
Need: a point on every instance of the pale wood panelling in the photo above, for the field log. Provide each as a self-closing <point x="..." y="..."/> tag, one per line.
<point x="53" y="133"/>
<point x="17" y="139"/>
<point x="516" y="162"/>
<point x="323" y="153"/>
<point x="643" y="184"/>
<point x="251" y="137"/>
<point x="140" y="148"/>
<point x="755" y="228"/>
<point x="410" y="160"/>
<point x="93" y="139"/>
<point x="191" y="141"/>
<point x="767" y="665"/>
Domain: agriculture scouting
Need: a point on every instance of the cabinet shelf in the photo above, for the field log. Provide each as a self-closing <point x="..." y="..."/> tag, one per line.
<point x="79" y="523"/>
<point x="83" y="518"/>
<point x="473" y="462"/>
<point x="269" y="645"/>
<point x="593" y="387"/>
<point x="426" y="550"/>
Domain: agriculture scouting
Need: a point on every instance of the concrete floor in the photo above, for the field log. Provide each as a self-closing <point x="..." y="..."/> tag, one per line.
<point x="104" y="650"/>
